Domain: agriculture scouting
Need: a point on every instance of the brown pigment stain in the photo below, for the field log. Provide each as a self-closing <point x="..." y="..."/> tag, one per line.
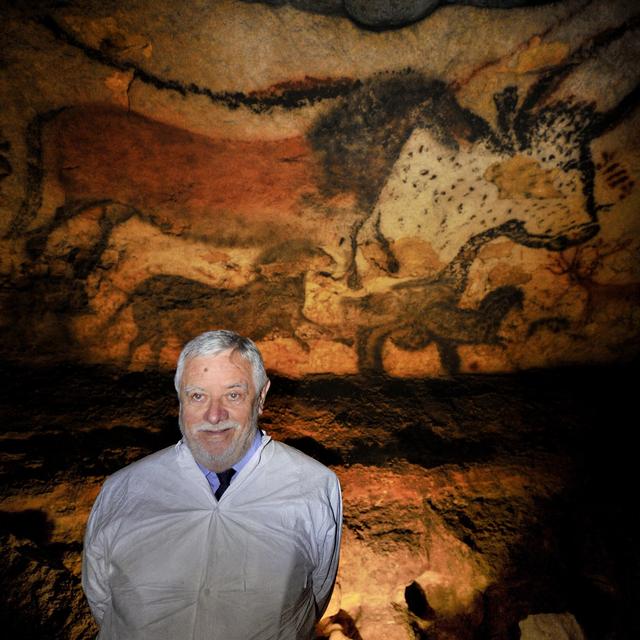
<point x="521" y="177"/>
<point x="178" y="177"/>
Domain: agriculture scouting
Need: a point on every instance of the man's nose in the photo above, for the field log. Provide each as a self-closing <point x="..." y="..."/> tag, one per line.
<point x="216" y="411"/>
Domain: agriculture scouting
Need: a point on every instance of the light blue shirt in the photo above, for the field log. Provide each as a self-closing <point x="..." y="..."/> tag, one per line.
<point x="211" y="476"/>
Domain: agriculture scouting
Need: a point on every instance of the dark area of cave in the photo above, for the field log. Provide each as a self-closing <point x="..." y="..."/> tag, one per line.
<point x="76" y="424"/>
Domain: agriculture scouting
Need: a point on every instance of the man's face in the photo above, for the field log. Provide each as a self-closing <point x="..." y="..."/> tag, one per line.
<point x="219" y="408"/>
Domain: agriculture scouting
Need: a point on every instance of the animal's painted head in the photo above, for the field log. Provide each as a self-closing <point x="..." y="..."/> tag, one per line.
<point x="538" y="178"/>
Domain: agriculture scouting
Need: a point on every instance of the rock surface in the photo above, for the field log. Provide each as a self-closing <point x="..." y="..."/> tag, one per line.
<point x="431" y="231"/>
<point x="550" y="626"/>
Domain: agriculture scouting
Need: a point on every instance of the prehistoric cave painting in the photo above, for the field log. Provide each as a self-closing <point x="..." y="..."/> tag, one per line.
<point x="434" y="172"/>
<point x="286" y="95"/>
<point x="78" y="243"/>
<point x="616" y="175"/>
<point x="580" y="265"/>
<point x="396" y="159"/>
<point x="121" y="171"/>
<point x="54" y="240"/>
<point x="185" y="183"/>
<point x="416" y="314"/>
<point x="34" y="178"/>
<point x="168" y="307"/>
<point x="459" y="176"/>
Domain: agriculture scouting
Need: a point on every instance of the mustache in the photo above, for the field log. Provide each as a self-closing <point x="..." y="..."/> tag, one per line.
<point x="214" y="428"/>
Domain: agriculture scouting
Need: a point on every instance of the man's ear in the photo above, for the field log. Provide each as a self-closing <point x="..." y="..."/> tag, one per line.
<point x="263" y="395"/>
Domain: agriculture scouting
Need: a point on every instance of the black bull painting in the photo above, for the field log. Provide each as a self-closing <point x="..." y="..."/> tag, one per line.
<point x="253" y="221"/>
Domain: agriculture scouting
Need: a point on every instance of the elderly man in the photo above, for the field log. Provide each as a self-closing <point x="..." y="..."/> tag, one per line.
<point x="228" y="534"/>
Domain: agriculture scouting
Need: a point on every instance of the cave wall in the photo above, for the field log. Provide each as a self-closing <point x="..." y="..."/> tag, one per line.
<point x="454" y="195"/>
<point x="390" y="198"/>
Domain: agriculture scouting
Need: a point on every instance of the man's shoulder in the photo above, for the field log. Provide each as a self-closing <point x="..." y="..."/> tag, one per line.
<point x="148" y="466"/>
<point x="304" y="482"/>
<point x="288" y="457"/>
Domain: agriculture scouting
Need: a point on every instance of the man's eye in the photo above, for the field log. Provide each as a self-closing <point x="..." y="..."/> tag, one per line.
<point x="196" y="396"/>
<point x="234" y="395"/>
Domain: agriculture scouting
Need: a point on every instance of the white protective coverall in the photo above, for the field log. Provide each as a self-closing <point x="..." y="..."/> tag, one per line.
<point x="164" y="560"/>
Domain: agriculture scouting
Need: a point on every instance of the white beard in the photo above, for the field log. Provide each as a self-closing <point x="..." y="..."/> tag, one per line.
<point x="234" y="452"/>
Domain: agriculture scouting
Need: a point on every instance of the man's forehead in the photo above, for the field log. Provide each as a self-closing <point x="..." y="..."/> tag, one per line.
<point x="195" y="386"/>
<point x="227" y="366"/>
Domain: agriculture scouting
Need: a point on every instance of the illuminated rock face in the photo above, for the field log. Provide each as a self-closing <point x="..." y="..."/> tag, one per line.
<point x="470" y="214"/>
<point x="385" y="212"/>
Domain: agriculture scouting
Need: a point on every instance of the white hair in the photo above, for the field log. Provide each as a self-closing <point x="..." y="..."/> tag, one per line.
<point x="212" y="343"/>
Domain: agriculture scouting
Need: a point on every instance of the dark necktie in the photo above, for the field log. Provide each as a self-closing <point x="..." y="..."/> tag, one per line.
<point x="225" y="481"/>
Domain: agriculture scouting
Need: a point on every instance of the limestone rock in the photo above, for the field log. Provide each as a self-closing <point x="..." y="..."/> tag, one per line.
<point x="41" y="598"/>
<point x="550" y="626"/>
